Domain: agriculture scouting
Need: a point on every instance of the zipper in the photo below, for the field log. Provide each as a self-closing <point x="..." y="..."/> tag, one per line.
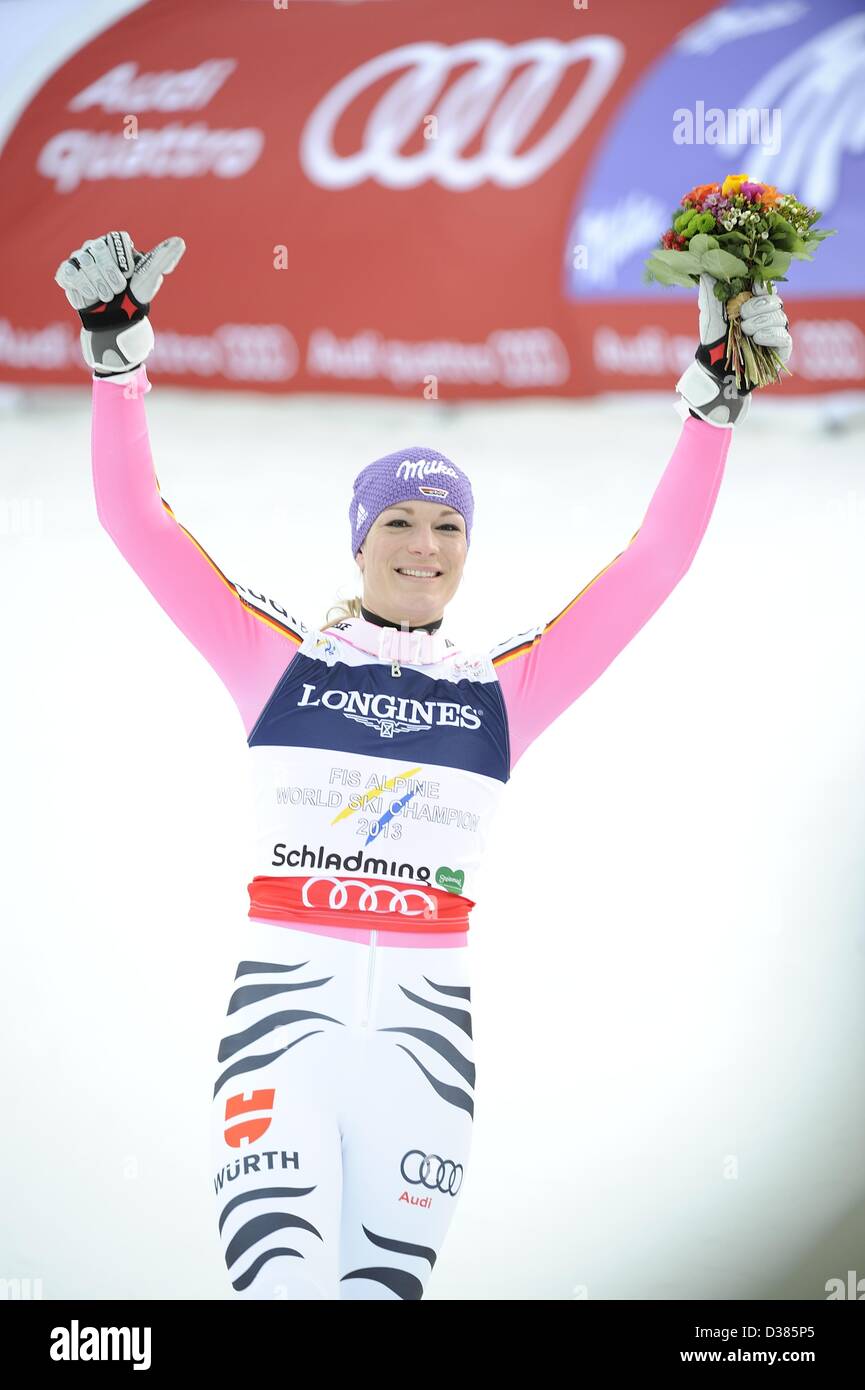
<point x="394" y="669"/>
<point x="372" y="940"/>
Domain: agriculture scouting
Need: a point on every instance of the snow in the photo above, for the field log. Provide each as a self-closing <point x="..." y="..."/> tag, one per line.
<point x="668" y="950"/>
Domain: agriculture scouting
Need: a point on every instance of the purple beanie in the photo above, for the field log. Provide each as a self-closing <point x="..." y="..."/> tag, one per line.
<point x="421" y="475"/>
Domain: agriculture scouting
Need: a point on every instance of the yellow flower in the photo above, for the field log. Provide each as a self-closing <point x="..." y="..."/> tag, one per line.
<point x="733" y="183"/>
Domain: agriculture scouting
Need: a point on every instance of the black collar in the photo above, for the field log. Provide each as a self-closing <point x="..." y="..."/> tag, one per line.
<point x="385" y="622"/>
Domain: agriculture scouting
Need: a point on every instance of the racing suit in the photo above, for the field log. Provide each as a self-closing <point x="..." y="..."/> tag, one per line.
<point x="344" y="1077"/>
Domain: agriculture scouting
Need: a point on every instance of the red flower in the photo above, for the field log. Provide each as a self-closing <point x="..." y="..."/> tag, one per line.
<point x="696" y="195"/>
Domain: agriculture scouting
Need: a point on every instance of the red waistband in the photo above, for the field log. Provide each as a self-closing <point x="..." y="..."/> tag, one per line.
<point x="358" y="902"/>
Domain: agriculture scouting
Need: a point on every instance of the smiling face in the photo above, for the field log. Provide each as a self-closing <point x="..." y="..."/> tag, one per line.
<point x="412" y="536"/>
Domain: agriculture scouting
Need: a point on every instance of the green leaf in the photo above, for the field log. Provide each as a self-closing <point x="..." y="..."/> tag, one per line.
<point x="767" y="277"/>
<point x="722" y="263"/>
<point x="782" y="234"/>
<point x="702" y="242"/>
<point x="678" y="260"/>
<point x="807" y="247"/>
<point x="666" y="275"/>
<point x="779" y="262"/>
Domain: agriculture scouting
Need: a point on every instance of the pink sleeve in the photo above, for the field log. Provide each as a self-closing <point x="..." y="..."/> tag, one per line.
<point x="247" y="640"/>
<point x="542" y="671"/>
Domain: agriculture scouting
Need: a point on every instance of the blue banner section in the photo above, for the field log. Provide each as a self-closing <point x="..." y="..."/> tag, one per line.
<point x="774" y="91"/>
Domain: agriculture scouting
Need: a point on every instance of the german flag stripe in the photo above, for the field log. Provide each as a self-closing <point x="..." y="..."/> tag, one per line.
<point x="269" y="619"/>
<point x="530" y="642"/>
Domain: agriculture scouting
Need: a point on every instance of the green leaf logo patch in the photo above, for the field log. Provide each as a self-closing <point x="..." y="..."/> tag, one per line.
<point x="451" y="879"/>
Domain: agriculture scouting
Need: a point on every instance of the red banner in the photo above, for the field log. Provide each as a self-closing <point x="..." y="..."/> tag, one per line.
<point x="375" y="197"/>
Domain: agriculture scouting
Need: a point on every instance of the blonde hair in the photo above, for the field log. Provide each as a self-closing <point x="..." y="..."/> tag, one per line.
<point x="346" y="608"/>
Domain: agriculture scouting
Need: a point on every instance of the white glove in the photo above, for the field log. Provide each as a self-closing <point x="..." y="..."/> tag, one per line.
<point x="111" y="285"/>
<point x="764" y="320"/>
<point x="707" y="387"/>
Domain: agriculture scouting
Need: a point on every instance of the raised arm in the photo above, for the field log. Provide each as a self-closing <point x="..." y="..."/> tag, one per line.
<point x="545" y="669"/>
<point x="542" y="671"/>
<point x="246" y="638"/>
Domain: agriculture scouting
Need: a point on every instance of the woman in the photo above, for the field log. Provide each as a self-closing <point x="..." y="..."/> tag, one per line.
<point x="343" y="1101"/>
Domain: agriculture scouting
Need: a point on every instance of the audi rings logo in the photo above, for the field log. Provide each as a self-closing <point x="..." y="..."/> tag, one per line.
<point x="428" y="1170"/>
<point x="369" y="898"/>
<point x="503" y="94"/>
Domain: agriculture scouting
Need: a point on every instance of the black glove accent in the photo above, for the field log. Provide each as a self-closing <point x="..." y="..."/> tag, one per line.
<point x="117" y="313"/>
<point x="711" y="356"/>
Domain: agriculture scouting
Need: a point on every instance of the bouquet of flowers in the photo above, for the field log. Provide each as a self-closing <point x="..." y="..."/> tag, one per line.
<point x="740" y="233"/>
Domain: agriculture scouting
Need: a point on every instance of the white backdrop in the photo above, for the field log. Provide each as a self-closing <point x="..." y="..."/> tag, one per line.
<point x="668" y="953"/>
